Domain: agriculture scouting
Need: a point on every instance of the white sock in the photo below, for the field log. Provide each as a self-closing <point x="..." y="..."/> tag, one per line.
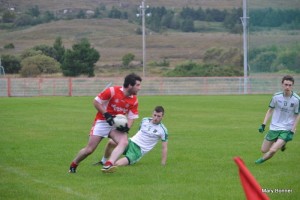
<point x="103" y="160"/>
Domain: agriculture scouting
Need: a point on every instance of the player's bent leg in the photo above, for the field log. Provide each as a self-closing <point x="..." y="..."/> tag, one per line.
<point x="266" y="145"/>
<point x="89" y="149"/>
<point x="110" y="145"/>
<point x="85" y="152"/>
<point x="122" y="142"/>
<point x="122" y="162"/>
<point x="109" y="148"/>
<point x="274" y="148"/>
<point x="277" y="145"/>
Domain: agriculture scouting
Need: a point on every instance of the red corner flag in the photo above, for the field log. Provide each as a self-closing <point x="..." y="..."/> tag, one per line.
<point x="251" y="188"/>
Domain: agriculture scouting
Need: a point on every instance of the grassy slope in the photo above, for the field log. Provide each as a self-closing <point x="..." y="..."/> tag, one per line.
<point x="114" y="38"/>
<point x="40" y="136"/>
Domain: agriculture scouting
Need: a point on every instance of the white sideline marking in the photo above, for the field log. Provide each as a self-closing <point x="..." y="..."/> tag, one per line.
<point x="23" y="174"/>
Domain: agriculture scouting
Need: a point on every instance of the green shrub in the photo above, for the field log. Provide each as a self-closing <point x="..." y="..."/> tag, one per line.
<point x="275" y="59"/>
<point x="263" y="62"/>
<point x="8" y="16"/>
<point x="126" y="59"/>
<point x="9" y="46"/>
<point x="11" y="64"/>
<point x="163" y="63"/>
<point x="192" y="69"/>
<point x="30" y="70"/>
<point x="30" y="53"/>
<point x="289" y="60"/>
<point x="24" y="20"/>
<point x="39" y="64"/>
<point x="221" y="56"/>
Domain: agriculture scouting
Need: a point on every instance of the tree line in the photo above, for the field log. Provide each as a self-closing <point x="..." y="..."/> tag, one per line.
<point x="162" y="18"/>
<point x="269" y="17"/>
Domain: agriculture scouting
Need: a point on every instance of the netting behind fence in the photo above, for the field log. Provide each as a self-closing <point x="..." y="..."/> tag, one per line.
<point x="17" y="87"/>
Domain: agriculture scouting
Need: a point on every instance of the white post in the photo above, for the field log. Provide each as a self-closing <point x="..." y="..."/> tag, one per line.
<point x="144" y="39"/>
<point x="244" y="22"/>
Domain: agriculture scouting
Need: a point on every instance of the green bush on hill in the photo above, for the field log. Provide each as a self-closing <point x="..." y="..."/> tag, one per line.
<point x="191" y="69"/>
<point x="274" y="59"/>
<point x="39" y="64"/>
<point x="217" y="62"/>
<point x="11" y="64"/>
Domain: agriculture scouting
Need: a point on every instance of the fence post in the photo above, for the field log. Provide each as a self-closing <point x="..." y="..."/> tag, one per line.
<point x="8" y="87"/>
<point x="40" y="87"/>
<point x="70" y="87"/>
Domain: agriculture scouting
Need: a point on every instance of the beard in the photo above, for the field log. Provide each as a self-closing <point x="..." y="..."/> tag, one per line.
<point x="132" y="91"/>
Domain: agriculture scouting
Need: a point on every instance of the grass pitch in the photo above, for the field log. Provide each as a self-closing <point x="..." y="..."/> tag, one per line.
<point x="40" y="136"/>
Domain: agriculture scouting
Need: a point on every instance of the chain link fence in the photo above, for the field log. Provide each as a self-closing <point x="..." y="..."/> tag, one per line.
<point x="26" y="87"/>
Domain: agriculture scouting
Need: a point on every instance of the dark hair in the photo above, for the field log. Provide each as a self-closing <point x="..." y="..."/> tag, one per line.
<point x="131" y="79"/>
<point x="159" y="109"/>
<point x="288" y="78"/>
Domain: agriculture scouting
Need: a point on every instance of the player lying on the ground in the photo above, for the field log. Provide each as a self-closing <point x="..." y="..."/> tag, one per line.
<point x="150" y="132"/>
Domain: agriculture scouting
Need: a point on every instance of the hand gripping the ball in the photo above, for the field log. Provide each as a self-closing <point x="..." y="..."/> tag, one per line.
<point x="261" y="128"/>
<point x="109" y="118"/>
<point x="124" y="129"/>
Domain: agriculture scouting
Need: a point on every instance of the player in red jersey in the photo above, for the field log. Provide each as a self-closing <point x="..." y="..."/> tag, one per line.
<point x="110" y="102"/>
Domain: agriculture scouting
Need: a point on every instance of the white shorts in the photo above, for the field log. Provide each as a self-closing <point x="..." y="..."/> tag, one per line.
<point x="101" y="128"/>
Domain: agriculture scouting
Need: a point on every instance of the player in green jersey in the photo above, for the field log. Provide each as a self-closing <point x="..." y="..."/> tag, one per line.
<point x="284" y="110"/>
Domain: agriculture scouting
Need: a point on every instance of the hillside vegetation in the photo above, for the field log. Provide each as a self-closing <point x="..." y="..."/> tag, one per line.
<point x="114" y="38"/>
<point x="90" y="4"/>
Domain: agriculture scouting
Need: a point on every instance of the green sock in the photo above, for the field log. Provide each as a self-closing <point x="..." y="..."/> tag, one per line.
<point x="259" y="161"/>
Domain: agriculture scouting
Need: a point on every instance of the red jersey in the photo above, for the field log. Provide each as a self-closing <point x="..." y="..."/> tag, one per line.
<point x="115" y="102"/>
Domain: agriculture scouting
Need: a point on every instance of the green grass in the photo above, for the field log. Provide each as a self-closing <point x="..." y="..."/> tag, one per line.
<point x="40" y="136"/>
